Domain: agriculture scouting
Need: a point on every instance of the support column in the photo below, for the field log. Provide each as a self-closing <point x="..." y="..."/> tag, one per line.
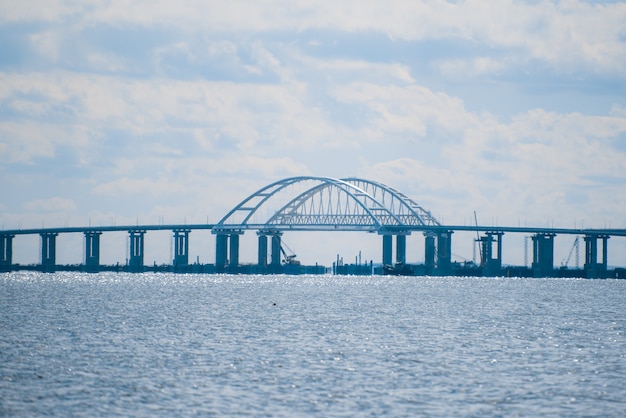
<point x="591" y="255"/>
<point x="605" y="253"/>
<point x="444" y="253"/>
<point x="491" y="265"/>
<point x="486" y="248"/>
<point x="181" y="248"/>
<point x="221" y="251"/>
<point x="234" y="250"/>
<point x="548" y="254"/>
<point x="387" y="249"/>
<point x="401" y="248"/>
<point x="429" y="252"/>
<point x="48" y="251"/>
<point x="592" y="267"/>
<point x="276" y="250"/>
<point x="536" y="252"/>
<point x="135" y="259"/>
<point x="6" y="252"/>
<point x="92" y="250"/>
<point x="262" y="256"/>
<point x="500" y="234"/>
<point x="543" y="255"/>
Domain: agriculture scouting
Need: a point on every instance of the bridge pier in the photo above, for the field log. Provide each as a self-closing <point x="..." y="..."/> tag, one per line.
<point x="444" y="253"/>
<point x="543" y="254"/>
<point x="234" y="250"/>
<point x="592" y="267"/>
<point x="387" y="249"/>
<point x="276" y="251"/>
<point x="401" y="248"/>
<point x="48" y="251"/>
<point x="605" y="253"/>
<point x="221" y="252"/>
<point x="226" y="245"/>
<point x="429" y="252"/>
<point x="135" y="261"/>
<point x="92" y="250"/>
<point x="181" y="248"/>
<point x="491" y="265"/>
<point x="275" y="247"/>
<point x="6" y="252"/>
<point x="262" y="253"/>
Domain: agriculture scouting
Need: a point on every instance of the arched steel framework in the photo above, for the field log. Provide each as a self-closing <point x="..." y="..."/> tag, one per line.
<point x="324" y="203"/>
<point x="407" y="210"/>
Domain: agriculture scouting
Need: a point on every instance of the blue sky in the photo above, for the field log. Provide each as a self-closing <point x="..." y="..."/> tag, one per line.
<point x="159" y="111"/>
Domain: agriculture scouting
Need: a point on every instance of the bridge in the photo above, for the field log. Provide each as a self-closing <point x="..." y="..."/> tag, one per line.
<point x="309" y="203"/>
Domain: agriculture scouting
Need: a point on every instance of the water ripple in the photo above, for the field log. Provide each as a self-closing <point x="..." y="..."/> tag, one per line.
<point x="165" y="344"/>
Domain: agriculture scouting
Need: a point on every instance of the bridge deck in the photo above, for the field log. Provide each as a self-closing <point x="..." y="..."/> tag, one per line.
<point x="368" y="228"/>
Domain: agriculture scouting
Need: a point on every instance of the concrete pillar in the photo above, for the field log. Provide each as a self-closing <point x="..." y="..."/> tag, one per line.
<point x="135" y="258"/>
<point x="548" y="253"/>
<point x="401" y="249"/>
<point x="262" y="258"/>
<point x="181" y="248"/>
<point x="6" y="252"/>
<point x="429" y="251"/>
<point x="591" y="255"/>
<point x="221" y="251"/>
<point x="492" y="265"/>
<point x="48" y="251"/>
<point x="444" y="252"/>
<point x="592" y="267"/>
<point x="92" y="250"/>
<point x="387" y="249"/>
<point x="486" y="244"/>
<point x="536" y="252"/>
<point x="276" y="249"/>
<point x="234" y="250"/>
<point x="605" y="253"/>
<point x="543" y="254"/>
<point x="499" y="264"/>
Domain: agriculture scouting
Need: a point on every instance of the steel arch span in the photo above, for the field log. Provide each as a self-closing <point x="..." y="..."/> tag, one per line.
<point x="324" y="204"/>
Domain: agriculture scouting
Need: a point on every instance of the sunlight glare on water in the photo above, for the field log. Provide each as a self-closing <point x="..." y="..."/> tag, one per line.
<point x="165" y="344"/>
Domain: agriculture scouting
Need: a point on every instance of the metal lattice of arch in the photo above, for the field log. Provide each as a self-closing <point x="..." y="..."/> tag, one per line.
<point x="324" y="203"/>
<point x="406" y="209"/>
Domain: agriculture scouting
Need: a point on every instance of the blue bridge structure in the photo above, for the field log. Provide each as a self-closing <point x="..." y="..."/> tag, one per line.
<point x="308" y="203"/>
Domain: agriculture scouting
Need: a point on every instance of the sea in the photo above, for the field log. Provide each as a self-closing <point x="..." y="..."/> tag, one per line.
<point x="159" y="344"/>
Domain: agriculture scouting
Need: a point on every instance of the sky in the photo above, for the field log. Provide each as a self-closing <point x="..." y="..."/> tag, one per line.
<point x="147" y="112"/>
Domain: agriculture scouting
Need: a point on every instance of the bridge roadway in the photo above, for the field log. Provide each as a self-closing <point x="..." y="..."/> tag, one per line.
<point x="438" y="245"/>
<point x="391" y="229"/>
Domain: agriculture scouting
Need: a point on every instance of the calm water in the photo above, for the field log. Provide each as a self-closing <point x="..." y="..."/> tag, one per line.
<point x="165" y="344"/>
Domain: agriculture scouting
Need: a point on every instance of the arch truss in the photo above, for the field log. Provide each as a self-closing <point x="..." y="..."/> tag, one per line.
<point x="324" y="203"/>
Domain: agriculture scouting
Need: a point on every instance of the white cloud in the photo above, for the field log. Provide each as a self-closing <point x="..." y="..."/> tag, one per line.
<point x="539" y="164"/>
<point x="53" y="204"/>
<point x="24" y="142"/>
<point x="404" y="110"/>
<point x="566" y="35"/>
<point x="128" y="186"/>
<point x="429" y="128"/>
<point x="105" y="62"/>
<point x="42" y="10"/>
<point x="339" y="69"/>
<point x="422" y="177"/>
<point x="618" y="111"/>
<point x="471" y="68"/>
<point x="47" y="44"/>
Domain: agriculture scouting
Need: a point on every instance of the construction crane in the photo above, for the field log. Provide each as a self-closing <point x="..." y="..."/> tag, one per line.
<point x="288" y="258"/>
<point x="565" y="262"/>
